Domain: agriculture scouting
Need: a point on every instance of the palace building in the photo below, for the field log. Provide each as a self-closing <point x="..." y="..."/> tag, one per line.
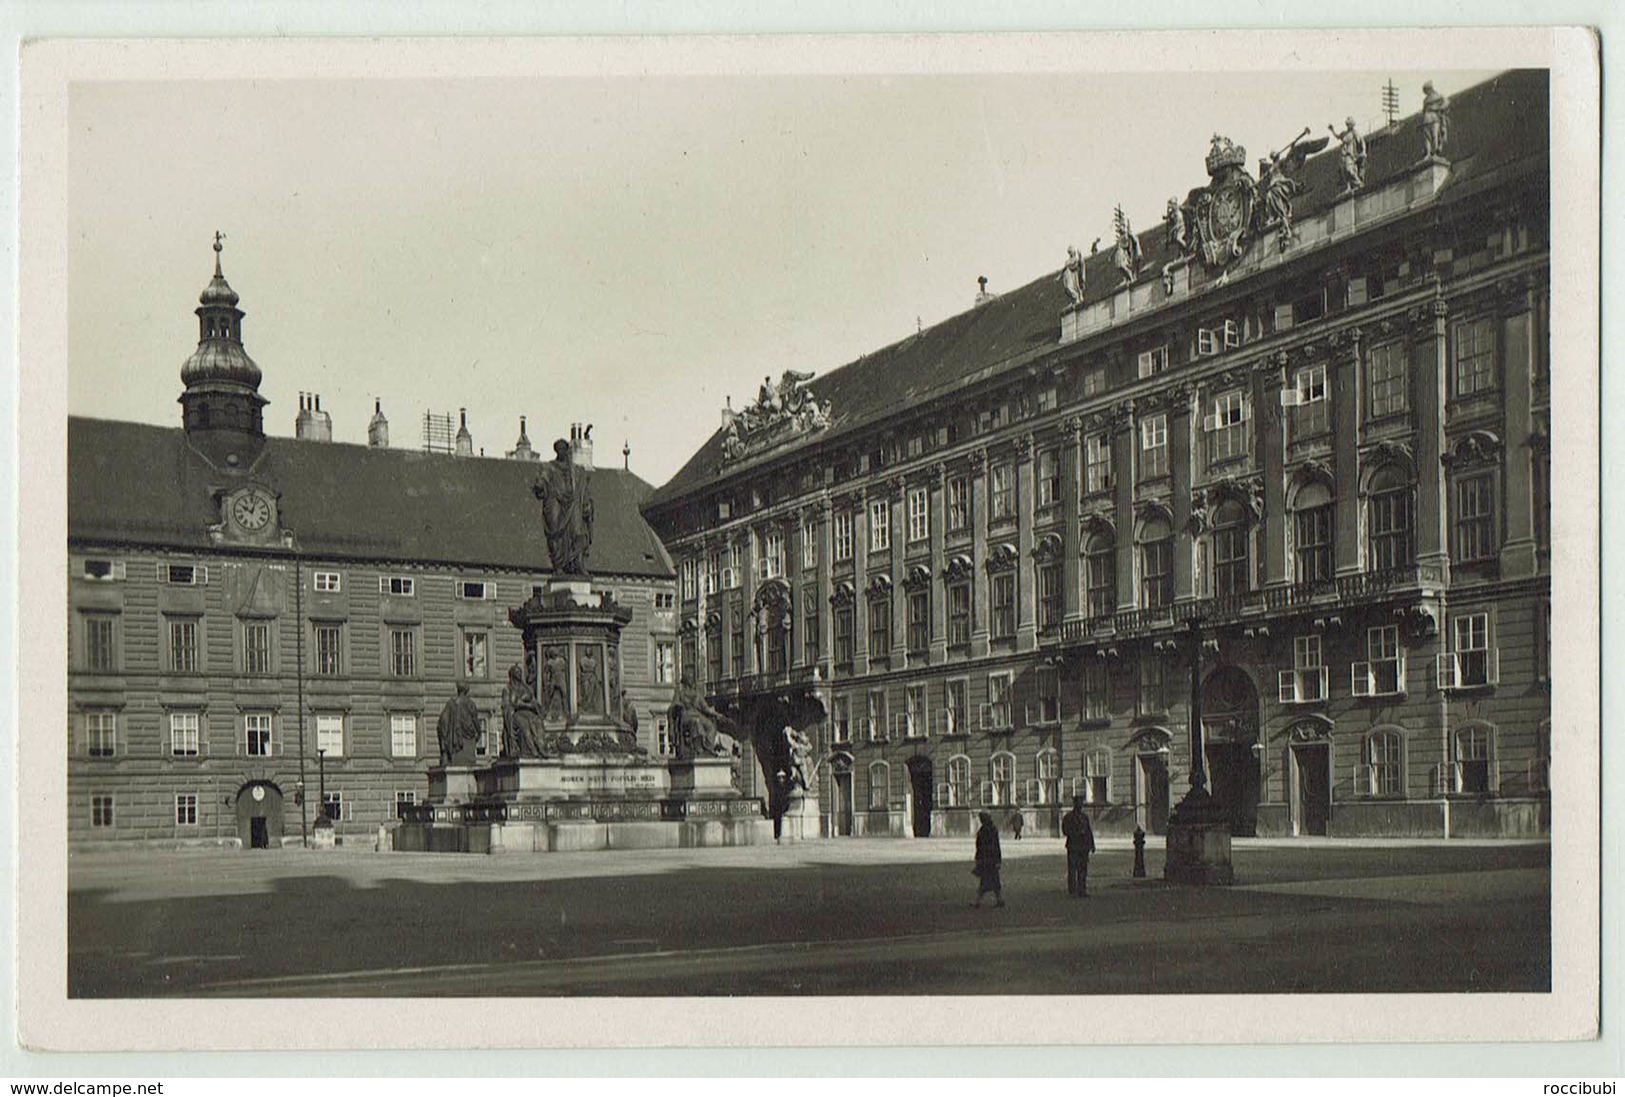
<point x="258" y="625"/>
<point x="1295" y="437"/>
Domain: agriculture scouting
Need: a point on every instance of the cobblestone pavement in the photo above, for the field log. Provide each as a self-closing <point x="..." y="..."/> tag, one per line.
<point x="822" y="917"/>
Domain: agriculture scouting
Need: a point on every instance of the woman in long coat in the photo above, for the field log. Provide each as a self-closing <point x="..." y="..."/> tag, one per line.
<point x="988" y="859"/>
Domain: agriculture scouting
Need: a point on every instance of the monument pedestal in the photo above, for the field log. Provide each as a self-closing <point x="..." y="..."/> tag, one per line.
<point x="1198" y="842"/>
<point x="451" y="784"/>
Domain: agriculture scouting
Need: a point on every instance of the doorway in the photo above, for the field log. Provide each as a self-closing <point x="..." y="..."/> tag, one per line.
<point x="923" y="786"/>
<point x="1312" y="799"/>
<point x="1151" y="792"/>
<point x="259" y="815"/>
<point x="259" y="834"/>
<point x="1230" y="739"/>
<point x="843" y="803"/>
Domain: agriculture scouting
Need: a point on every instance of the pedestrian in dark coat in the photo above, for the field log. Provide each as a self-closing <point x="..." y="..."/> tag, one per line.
<point x="1016" y="823"/>
<point x="1080" y="843"/>
<point x="988" y="859"/>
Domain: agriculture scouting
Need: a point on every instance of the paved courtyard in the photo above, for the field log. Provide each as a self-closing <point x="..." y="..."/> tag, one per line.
<point x="824" y="917"/>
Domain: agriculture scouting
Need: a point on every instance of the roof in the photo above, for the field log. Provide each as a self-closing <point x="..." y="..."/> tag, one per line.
<point x="140" y="484"/>
<point x="1492" y="125"/>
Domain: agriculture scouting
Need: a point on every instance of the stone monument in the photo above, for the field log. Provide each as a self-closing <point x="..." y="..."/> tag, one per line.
<point x="1198" y="850"/>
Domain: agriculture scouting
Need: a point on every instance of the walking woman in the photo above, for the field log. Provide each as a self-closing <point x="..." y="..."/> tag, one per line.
<point x="988" y="858"/>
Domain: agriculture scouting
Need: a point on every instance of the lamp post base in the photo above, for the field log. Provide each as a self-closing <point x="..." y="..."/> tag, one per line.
<point x="1198" y="843"/>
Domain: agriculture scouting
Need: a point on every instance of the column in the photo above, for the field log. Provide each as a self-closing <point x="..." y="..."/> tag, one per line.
<point x="825" y="534"/>
<point x="939" y="561"/>
<point x="1269" y="455"/>
<point x="747" y="587"/>
<point x="898" y="494"/>
<point x="1071" y="539"/>
<point x="1181" y="458"/>
<point x="1518" y="335"/>
<point x="978" y="523"/>
<point x="1345" y="392"/>
<point x="793" y="538"/>
<point x="1430" y="370"/>
<point x="1026" y="576"/>
<point x="860" y="582"/>
<point x="1121" y="427"/>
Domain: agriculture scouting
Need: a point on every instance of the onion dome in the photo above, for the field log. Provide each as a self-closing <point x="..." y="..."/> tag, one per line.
<point x="220" y="357"/>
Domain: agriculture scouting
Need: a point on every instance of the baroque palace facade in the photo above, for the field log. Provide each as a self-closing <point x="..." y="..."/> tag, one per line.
<point x="1297" y="435"/>
<point x="258" y="625"/>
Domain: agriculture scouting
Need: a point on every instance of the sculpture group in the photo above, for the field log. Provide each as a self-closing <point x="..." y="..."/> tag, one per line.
<point x="785" y="405"/>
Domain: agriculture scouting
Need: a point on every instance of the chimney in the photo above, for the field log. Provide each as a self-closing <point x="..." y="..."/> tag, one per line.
<point x="521" y="450"/>
<point x="581" y="445"/>
<point x="378" y="428"/>
<point x="304" y="422"/>
<point x="982" y="296"/>
<point x="465" y="440"/>
<point x="313" y="424"/>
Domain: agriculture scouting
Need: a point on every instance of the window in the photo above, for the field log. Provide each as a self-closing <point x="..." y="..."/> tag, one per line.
<point x="958" y="503"/>
<point x="713" y="653"/>
<point x="1001" y="771"/>
<point x="810" y="636"/>
<point x="328" y="663"/>
<point x="1049" y="478"/>
<point x="476" y="590"/>
<point x="476" y="645"/>
<point x="843" y="633"/>
<point x="919" y="620"/>
<point x="1226" y="427"/>
<point x="101" y="734"/>
<point x="404" y="798"/>
<point x="879" y="625"/>
<point x="919" y="514"/>
<point x="1097" y="463"/>
<point x="330" y="734"/>
<point x="396" y="584"/>
<point x="184" y="735"/>
<point x="1156" y="565"/>
<point x="1047" y="688"/>
<point x="1540" y="496"/>
<point x="1475" y="518"/>
<point x="1100" y="574"/>
<point x="841" y="719"/>
<point x="104" y="570"/>
<point x="736" y="643"/>
<point x="1385" y="774"/>
<point x="1475" y="356"/>
<point x="1308" y="399"/>
<point x="1392" y="545"/>
<point x="997" y="714"/>
<point x="1002" y="495"/>
<point x="403" y="735"/>
<point x="257" y="734"/>
<point x="101" y="652"/>
<point x="879" y="785"/>
<point x="713" y="572"/>
<point x="1475" y="760"/>
<point x="183" y="645"/>
<point x="1307" y="680"/>
<point x="775" y="641"/>
<point x="955" y="705"/>
<point x="333" y="806"/>
<point x="1003" y="609"/>
<point x="958" y="781"/>
<point x="843" y="535"/>
<point x="1386" y="379"/>
<point x="186" y="809"/>
<point x="666" y="662"/>
<point x="734" y="575"/>
<point x="1153" y="691"/>
<point x="664" y="601"/>
<point x="1094" y="382"/>
<point x="691" y="579"/>
<point x="959" y="614"/>
<point x="1313" y="527"/>
<point x="914" y="722"/>
<point x="183" y="575"/>
<point x="101" y="811"/>
<point x="770" y="564"/>
<point x="1383" y="672"/>
<point x="665" y="742"/>
<point x="1097" y="776"/>
<point x="1152" y="362"/>
<point x="1097" y="690"/>
<point x="1047" y="785"/>
<point x="403" y="658"/>
<point x="256" y="647"/>
<point x="1153" y="446"/>
<point x="1470" y="661"/>
<point x="1050" y="608"/>
<point x="879" y="525"/>
<point x="876" y="726"/>
<point x="1232" y="555"/>
<point x="809" y="544"/>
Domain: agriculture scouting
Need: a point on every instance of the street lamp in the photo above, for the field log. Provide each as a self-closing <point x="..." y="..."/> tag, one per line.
<point x="1198" y="828"/>
<point x="321" y="776"/>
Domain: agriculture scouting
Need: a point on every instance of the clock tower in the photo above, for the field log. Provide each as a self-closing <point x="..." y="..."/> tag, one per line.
<point x="222" y="405"/>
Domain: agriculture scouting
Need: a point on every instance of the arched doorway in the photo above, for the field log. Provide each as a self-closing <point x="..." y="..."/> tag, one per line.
<point x="923" y="790"/>
<point x="1230" y="742"/>
<point x="259" y="815"/>
<point x="840" y="772"/>
<point x="1309" y="786"/>
<point x="1151" y="794"/>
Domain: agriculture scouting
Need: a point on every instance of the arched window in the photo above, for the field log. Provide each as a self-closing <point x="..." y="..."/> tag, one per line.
<point x="958" y="781"/>
<point x="1047" y="785"/>
<point x="1390" y="528"/>
<point x="1473" y="753"/>
<point x="1383" y="771"/>
<point x="879" y="785"/>
<point x="1097" y="776"/>
<point x="1100" y="574"/>
<point x="1001" y="785"/>
<point x="1232" y="550"/>
<point x="1156" y="564"/>
<point x="1312" y="528"/>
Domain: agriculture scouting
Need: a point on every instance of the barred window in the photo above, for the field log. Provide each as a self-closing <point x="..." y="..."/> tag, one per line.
<point x="183" y="646"/>
<point x="256" y="647"/>
<point x="101" y="654"/>
<point x="403" y="659"/>
<point x="328" y="663"/>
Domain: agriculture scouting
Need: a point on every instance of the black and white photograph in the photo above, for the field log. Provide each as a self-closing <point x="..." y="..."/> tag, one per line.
<point x="917" y="530"/>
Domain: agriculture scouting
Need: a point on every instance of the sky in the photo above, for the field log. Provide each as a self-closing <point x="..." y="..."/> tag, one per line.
<point x="627" y="251"/>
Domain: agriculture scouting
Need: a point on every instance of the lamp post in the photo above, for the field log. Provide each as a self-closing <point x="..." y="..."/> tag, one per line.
<point x="321" y="777"/>
<point x="1198" y="829"/>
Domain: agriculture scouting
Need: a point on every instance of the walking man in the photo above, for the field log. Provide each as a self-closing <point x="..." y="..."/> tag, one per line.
<point x="988" y="858"/>
<point x="1080" y="843"/>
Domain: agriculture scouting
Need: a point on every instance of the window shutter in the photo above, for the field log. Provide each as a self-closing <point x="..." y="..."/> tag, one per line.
<point x="1287" y="683"/>
<point x="985" y="793"/>
<point x="1324" y="684"/>
<point x="1360" y="680"/>
<point x="1494" y="666"/>
<point x="1444" y="668"/>
<point x="1291" y="398"/>
<point x="1210" y="423"/>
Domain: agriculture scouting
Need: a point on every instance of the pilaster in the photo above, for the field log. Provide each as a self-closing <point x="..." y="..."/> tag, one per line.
<point x="1026" y="584"/>
<point x="1269" y="436"/>
<point x="1518" y="557"/>
<point x="1071" y="546"/>
<point x="1121" y="426"/>
<point x="1430" y="367"/>
<point x="937" y="481"/>
<point x="979" y="634"/>
<point x="1345" y="391"/>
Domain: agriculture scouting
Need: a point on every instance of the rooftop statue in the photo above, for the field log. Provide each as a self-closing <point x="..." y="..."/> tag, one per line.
<point x="1072" y="275"/>
<point x="785" y="402"/>
<point x="1126" y="255"/>
<point x="1351" y="154"/>
<point x="1277" y="188"/>
<point x="1435" y="121"/>
<point x="566" y="511"/>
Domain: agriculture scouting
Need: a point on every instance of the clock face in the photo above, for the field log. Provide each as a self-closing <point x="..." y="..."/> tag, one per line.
<point x="252" y="511"/>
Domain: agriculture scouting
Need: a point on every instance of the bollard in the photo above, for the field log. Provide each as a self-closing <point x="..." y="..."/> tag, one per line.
<point x="1139" y="853"/>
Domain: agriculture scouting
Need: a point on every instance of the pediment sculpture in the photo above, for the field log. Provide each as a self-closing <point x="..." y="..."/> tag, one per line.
<point x="782" y="410"/>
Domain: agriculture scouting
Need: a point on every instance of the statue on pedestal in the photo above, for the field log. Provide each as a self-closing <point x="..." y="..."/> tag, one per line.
<point x="1351" y="154"/>
<point x="566" y="511"/>
<point x="459" y="729"/>
<point x="800" y="748"/>
<point x="1072" y="276"/>
<point x="697" y="725"/>
<point x="1435" y="121"/>
<point x="521" y="716"/>
<point x="555" y="688"/>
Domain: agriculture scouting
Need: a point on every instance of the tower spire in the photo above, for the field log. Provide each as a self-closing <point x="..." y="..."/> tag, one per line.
<point x="219" y="246"/>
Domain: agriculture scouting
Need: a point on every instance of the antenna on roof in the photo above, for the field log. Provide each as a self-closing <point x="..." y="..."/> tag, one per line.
<point x="1390" y="101"/>
<point x="626" y="455"/>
